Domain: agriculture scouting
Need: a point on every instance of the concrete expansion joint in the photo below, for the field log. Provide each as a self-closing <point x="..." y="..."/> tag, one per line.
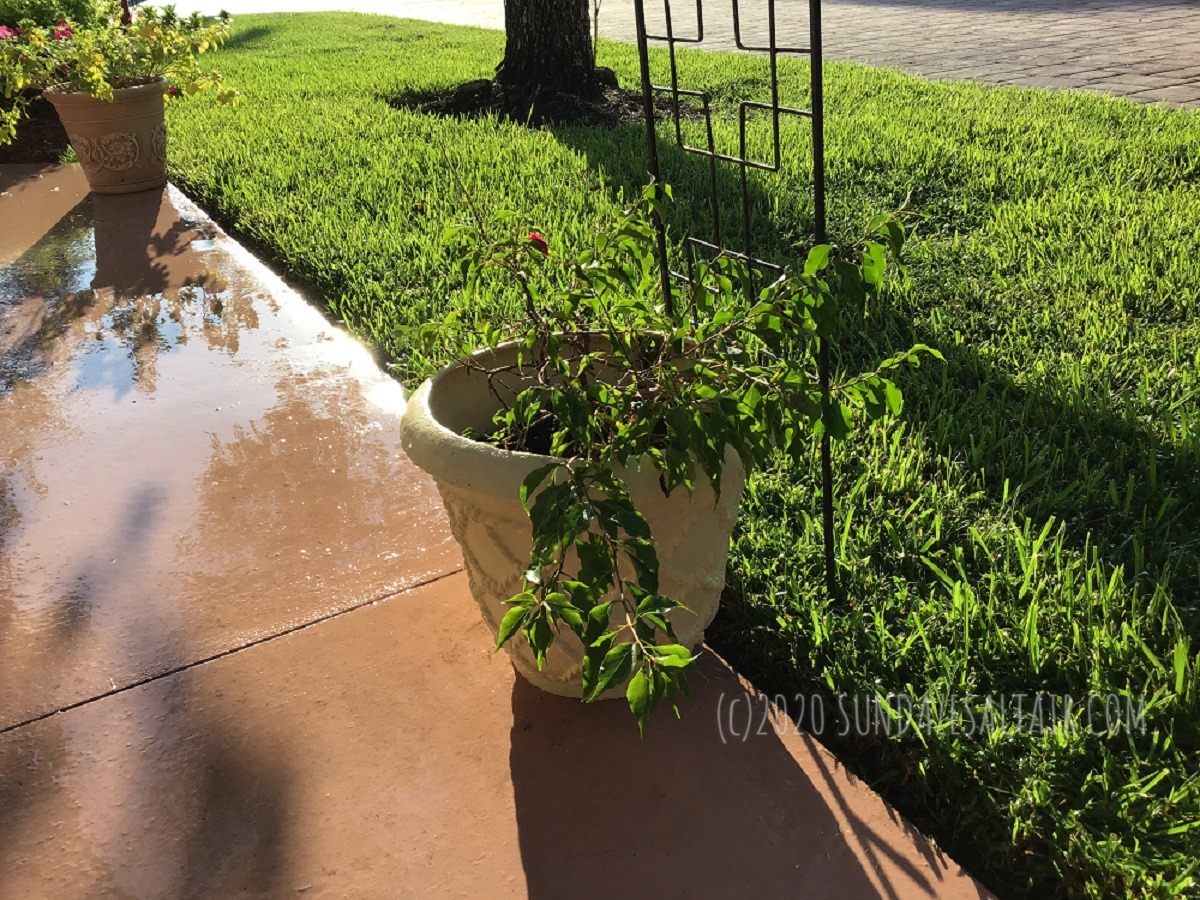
<point x="248" y="645"/>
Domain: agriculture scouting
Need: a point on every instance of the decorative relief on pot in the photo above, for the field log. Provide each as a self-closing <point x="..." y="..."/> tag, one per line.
<point x="692" y="533"/>
<point x="160" y="143"/>
<point x="495" y="541"/>
<point x="117" y="152"/>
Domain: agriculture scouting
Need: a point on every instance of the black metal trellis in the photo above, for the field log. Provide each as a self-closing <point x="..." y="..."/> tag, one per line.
<point x="815" y="114"/>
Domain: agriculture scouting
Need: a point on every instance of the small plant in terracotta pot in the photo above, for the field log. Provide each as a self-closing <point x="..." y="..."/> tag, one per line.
<point x="108" y="82"/>
<point x="592" y="456"/>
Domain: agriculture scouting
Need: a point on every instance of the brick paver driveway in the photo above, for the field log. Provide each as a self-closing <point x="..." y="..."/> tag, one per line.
<point x="1148" y="50"/>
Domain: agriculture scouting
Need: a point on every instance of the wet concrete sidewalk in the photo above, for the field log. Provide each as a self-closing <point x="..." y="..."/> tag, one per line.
<point x="193" y="457"/>
<point x="237" y="653"/>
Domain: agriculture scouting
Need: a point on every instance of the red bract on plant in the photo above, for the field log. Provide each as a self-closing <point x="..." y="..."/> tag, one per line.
<point x="539" y="243"/>
<point x="62" y="30"/>
<point x="6" y="32"/>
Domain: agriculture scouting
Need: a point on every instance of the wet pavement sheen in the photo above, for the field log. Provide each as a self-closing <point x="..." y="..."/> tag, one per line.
<point x="191" y="456"/>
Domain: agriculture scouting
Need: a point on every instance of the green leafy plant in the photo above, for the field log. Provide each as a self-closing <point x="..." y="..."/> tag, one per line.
<point x="96" y="59"/>
<point x="605" y="378"/>
<point x="48" y="12"/>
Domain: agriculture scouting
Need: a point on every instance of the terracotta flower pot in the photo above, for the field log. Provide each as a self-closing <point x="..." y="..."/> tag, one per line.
<point x="480" y="485"/>
<point x="122" y="146"/>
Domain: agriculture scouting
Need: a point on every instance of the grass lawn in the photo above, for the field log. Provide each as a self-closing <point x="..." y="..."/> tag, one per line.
<point x="1030" y="525"/>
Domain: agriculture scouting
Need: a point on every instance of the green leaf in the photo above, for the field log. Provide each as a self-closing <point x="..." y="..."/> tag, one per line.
<point x="640" y="700"/>
<point x="818" y="259"/>
<point x="512" y="621"/>
<point x="596" y="565"/>
<point x="541" y="636"/>
<point x="674" y="656"/>
<point x="895" y="237"/>
<point x="895" y="400"/>
<point x="836" y="418"/>
<point x="562" y="608"/>
<point x="645" y="562"/>
<point x="874" y="263"/>
<point x="597" y="623"/>
<point x="925" y="348"/>
<point x="617" y="664"/>
<point x="593" y="661"/>
<point x="656" y="603"/>
<point x="533" y="480"/>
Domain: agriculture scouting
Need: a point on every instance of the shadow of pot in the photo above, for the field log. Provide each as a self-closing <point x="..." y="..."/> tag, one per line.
<point x="129" y="255"/>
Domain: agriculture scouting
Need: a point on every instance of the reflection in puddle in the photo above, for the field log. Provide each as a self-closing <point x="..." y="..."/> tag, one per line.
<point x="62" y="262"/>
<point x="129" y="338"/>
<point x="43" y="293"/>
<point x="191" y="456"/>
<point x="127" y="271"/>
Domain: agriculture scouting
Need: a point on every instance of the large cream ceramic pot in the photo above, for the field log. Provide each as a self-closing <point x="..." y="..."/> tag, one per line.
<point x="480" y="487"/>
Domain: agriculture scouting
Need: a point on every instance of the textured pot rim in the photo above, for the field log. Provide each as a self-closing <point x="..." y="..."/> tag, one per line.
<point x="451" y="458"/>
<point x="81" y="98"/>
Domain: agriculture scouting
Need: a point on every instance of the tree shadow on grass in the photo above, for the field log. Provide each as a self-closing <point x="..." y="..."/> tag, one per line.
<point x="1076" y="462"/>
<point x="1067" y="457"/>
<point x="619" y="156"/>
<point x="246" y="38"/>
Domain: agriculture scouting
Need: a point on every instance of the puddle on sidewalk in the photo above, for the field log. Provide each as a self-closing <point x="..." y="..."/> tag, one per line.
<point x="191" y="456"/>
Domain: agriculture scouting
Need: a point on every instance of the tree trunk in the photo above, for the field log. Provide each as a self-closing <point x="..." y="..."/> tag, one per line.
<point x="549" y="47"/>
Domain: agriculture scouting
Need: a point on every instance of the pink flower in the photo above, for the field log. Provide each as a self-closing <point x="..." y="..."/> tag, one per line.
<point x="62" y="30"/>
<point x="172" y="91"/>
<point x="6" y="32"/>
<point x="539" y="243"/>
